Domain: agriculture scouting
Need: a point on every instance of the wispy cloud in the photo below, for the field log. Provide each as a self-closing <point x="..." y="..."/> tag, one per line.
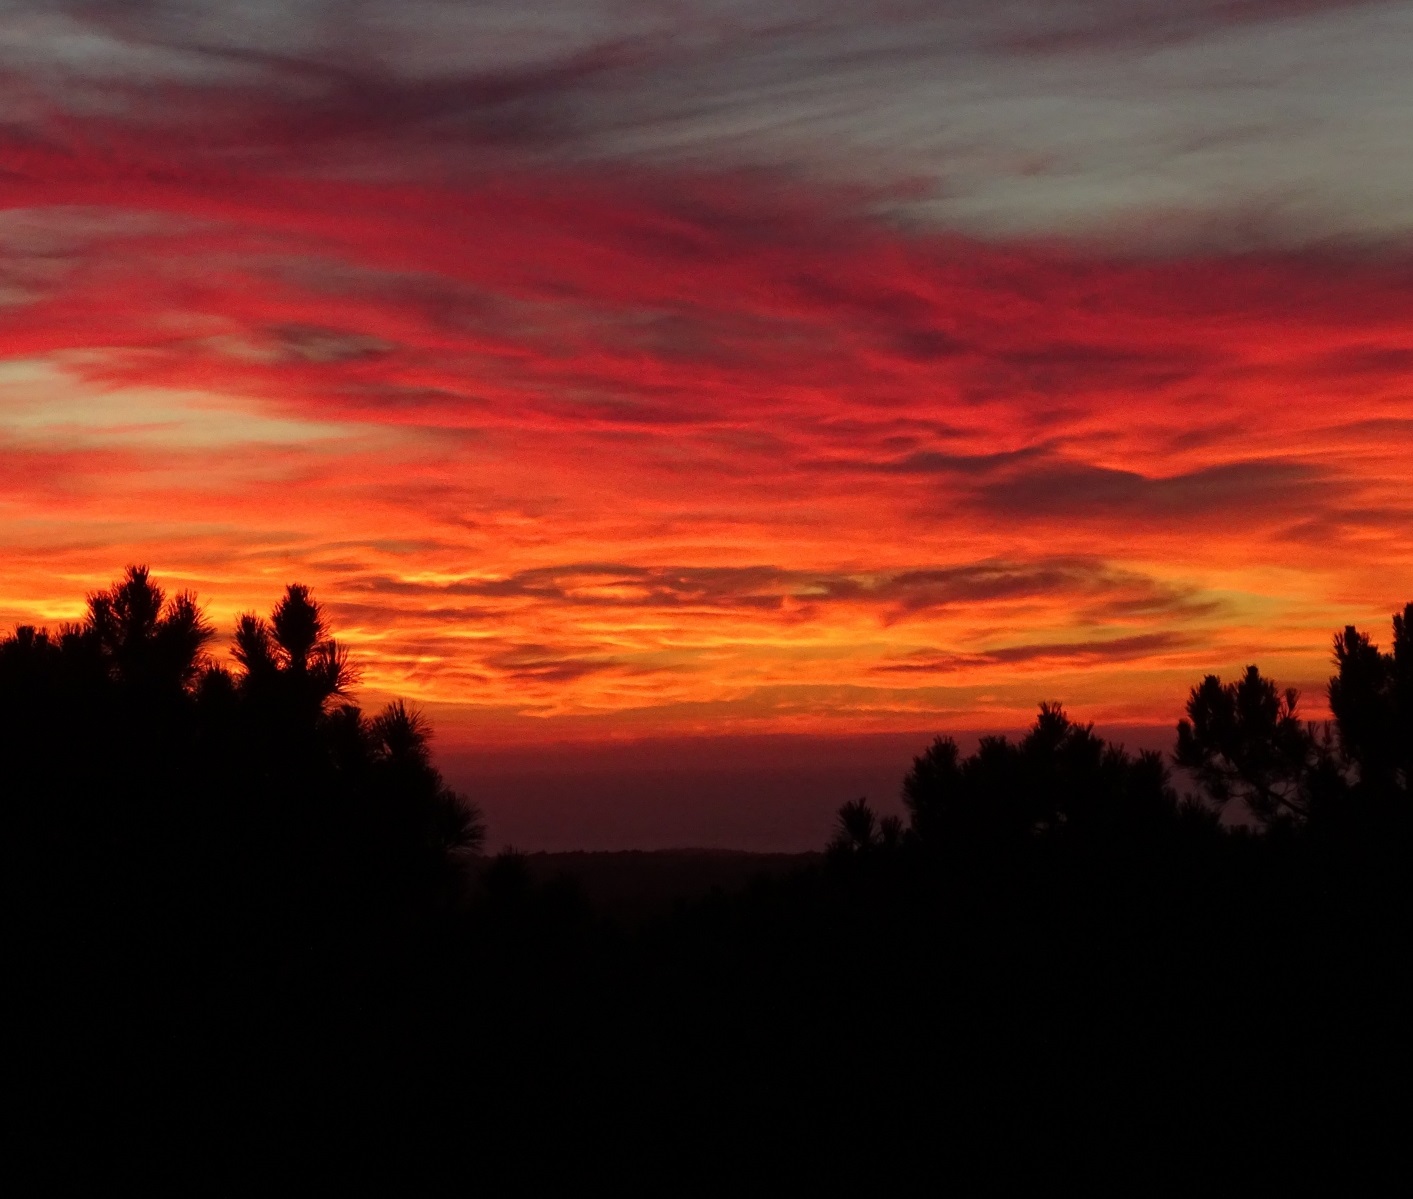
<point x="1079" y="653"/>
<point x="740" y="362"/>
<point x="1171" y="119"/>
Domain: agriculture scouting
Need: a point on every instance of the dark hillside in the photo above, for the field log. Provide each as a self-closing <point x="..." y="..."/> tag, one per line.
<point x="648" y="884"/>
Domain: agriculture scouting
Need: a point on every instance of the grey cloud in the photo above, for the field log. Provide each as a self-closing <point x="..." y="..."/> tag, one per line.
<point x="925" y="345"/>
<point x="1062" y="370"/>
<point x="1088" y="25"/>
<point x="1079" y="653"/>
<point x="982" y="101"/>
<point x="536" y="664"/>
<point x="1379" y="428"/>
<point x="1033" y="482"/>
<point x="316" y="345"/>
<point x="768" y="589"/>
<point x="1395" y="361"/>
<point x="1233" y="491"/>
<point x="1347" y="532"/>
<point x="921" y="589"/>
<point x="596" y="584"/>
<point x="932" y="462"/>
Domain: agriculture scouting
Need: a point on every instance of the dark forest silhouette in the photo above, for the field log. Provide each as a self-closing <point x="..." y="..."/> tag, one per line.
<point x="244" y="909"/>
<point x="133" y="762"/>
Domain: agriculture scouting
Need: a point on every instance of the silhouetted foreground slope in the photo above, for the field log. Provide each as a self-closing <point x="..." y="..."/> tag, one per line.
<point x="633" y="886"/>
<point x="245" y="931"/>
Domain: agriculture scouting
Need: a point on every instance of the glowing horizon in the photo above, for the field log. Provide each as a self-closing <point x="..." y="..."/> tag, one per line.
<point x="608" y="372"/>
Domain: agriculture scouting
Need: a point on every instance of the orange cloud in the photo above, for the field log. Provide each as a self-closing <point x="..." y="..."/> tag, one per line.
<point x="656" y="450"/>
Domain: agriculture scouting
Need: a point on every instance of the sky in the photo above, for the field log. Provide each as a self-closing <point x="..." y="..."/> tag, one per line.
<point x="740" y="374"/>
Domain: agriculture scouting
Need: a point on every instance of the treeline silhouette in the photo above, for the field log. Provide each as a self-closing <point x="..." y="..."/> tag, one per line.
<point x="1239" y="741"/>
<point x="250" y="922"/>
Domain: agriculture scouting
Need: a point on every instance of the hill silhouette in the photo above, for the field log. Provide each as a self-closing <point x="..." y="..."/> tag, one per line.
<point x="633" y="886"/>
<point x="251" y="923"/>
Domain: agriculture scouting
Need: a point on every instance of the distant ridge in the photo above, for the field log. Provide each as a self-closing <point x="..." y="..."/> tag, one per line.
<point x="639" y="884"/>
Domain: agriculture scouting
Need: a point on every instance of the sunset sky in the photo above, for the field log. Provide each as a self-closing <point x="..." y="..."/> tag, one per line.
<point x="648" y="370"/>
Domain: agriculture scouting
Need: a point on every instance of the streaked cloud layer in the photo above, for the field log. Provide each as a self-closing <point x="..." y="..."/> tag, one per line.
<point x="760" y="367"/>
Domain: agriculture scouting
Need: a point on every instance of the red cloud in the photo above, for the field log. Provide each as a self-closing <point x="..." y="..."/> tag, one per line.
<point x="789" y="425"/>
